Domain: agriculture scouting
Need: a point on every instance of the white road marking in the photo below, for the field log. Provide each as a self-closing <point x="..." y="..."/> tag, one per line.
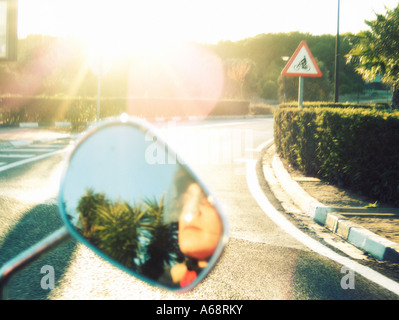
<point x="31" y="149"/>
<point x="283" y="223"/>
<point x="22" y="162"/>
<point x="13" y="155"/>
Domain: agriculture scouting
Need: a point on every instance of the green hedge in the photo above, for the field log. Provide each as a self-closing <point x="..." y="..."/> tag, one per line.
<point x="322" y="104"/>
<point x="261" y="109"/>
<point x="47" y="110"/>
<point x="355" y="148"/>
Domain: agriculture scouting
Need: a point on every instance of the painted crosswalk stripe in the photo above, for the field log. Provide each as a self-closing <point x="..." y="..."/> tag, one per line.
<point x="32" y="150"/>
<point x="50" y="146"/>
<point x="24" y="161"/>
<point x="16" y="155"/>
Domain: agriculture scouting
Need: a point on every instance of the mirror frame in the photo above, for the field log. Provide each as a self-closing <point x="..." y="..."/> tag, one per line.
<point x="146" y="128"/>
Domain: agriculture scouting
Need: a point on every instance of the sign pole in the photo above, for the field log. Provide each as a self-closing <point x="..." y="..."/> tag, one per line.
<point x="300" y="93"/>
<point x="337" y="53"/>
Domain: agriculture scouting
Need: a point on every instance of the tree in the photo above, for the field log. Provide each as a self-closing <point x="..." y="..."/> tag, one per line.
<point x="87" y="209"/>
<point x="376" y="51"/>
<point x="237" y="69"/>
<point x="163" y="249"/>
<point x="135" y="235"/>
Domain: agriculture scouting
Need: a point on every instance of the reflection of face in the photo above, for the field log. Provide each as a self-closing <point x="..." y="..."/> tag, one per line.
<point x="200" y="227"/>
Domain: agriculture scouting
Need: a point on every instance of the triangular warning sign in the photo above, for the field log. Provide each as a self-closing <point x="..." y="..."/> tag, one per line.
<point x="302" y="63"/>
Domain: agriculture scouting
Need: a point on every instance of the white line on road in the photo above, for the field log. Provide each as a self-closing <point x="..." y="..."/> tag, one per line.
<point x="283" y="223"/>
<point x="52" y="146"/>
<point x="30" y="149"/>
<point x="234" y="122"/>
<point x="22" y="162"/>
<point x="264" y="144"/>
<point x="12" y="155"/>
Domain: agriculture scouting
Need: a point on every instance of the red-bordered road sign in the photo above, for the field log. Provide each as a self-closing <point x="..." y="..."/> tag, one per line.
<point x="302" y="63"/>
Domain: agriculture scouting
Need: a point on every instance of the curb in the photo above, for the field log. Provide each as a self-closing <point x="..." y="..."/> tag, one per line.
<point x="163" y="118"/>
<point x="329" y="217"/>
<point x="197" y="118"/>
<point x="24" y="142"/>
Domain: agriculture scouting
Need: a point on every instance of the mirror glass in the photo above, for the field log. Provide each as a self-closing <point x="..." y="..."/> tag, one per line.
<point x="126" y="195"/>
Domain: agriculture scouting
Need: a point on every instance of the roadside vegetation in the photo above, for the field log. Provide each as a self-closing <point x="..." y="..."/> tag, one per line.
<point x="353" y="148"/>
<point x="352" y="145"/>
<point x="54" y="79"/>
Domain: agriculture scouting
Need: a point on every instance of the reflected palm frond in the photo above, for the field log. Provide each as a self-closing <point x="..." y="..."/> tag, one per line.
<point x="134" y="235"/>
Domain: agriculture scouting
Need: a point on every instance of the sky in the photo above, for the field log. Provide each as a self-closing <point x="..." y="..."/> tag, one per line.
<point x="118" y="171"/>
<point x="207" y="21"/>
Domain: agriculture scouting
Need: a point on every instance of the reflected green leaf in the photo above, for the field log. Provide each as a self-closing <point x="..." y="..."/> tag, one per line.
<point x="134" y="235"/>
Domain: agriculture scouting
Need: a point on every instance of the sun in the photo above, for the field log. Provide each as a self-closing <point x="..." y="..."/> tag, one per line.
<point x="149" y="43"/>
<point x="119" y="29"/>
<point x="114" y="28"/>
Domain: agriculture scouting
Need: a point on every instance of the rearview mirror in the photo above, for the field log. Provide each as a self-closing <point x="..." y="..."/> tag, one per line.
<point x="127" y="196"/>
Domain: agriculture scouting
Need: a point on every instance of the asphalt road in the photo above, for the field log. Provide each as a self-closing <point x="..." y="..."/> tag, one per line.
<point x="261" y="261"/>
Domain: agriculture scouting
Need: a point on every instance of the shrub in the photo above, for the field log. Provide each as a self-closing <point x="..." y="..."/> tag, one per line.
<point x="355" y="148"/>
<point x="260" y="109"/>
<point x="46" y="110"/>
<point x="346" y="105"/>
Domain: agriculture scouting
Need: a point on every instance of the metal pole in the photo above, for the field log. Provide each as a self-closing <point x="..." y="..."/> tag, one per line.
<point x="100" y="71"/>
<point x="337" y="59"/>
<point x="26" y="257"/>
<point x="98" y="97"/>
<point x="300" y="93"/>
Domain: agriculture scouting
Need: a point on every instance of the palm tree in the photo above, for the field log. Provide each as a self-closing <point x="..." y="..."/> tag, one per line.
<point x="116" y="229"/>
<point x="87" y="208"/>
<point x="134" y="235"/>
<point x="163" y="249"/>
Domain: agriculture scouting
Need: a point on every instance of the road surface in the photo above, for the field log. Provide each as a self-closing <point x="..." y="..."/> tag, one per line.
<point x="261" y="261"/>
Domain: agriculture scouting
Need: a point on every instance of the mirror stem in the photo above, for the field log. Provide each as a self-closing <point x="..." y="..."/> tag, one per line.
<point x="29" y="255"/>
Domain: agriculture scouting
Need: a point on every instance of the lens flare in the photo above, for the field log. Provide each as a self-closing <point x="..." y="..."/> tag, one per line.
<point x="183" y="80"/>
